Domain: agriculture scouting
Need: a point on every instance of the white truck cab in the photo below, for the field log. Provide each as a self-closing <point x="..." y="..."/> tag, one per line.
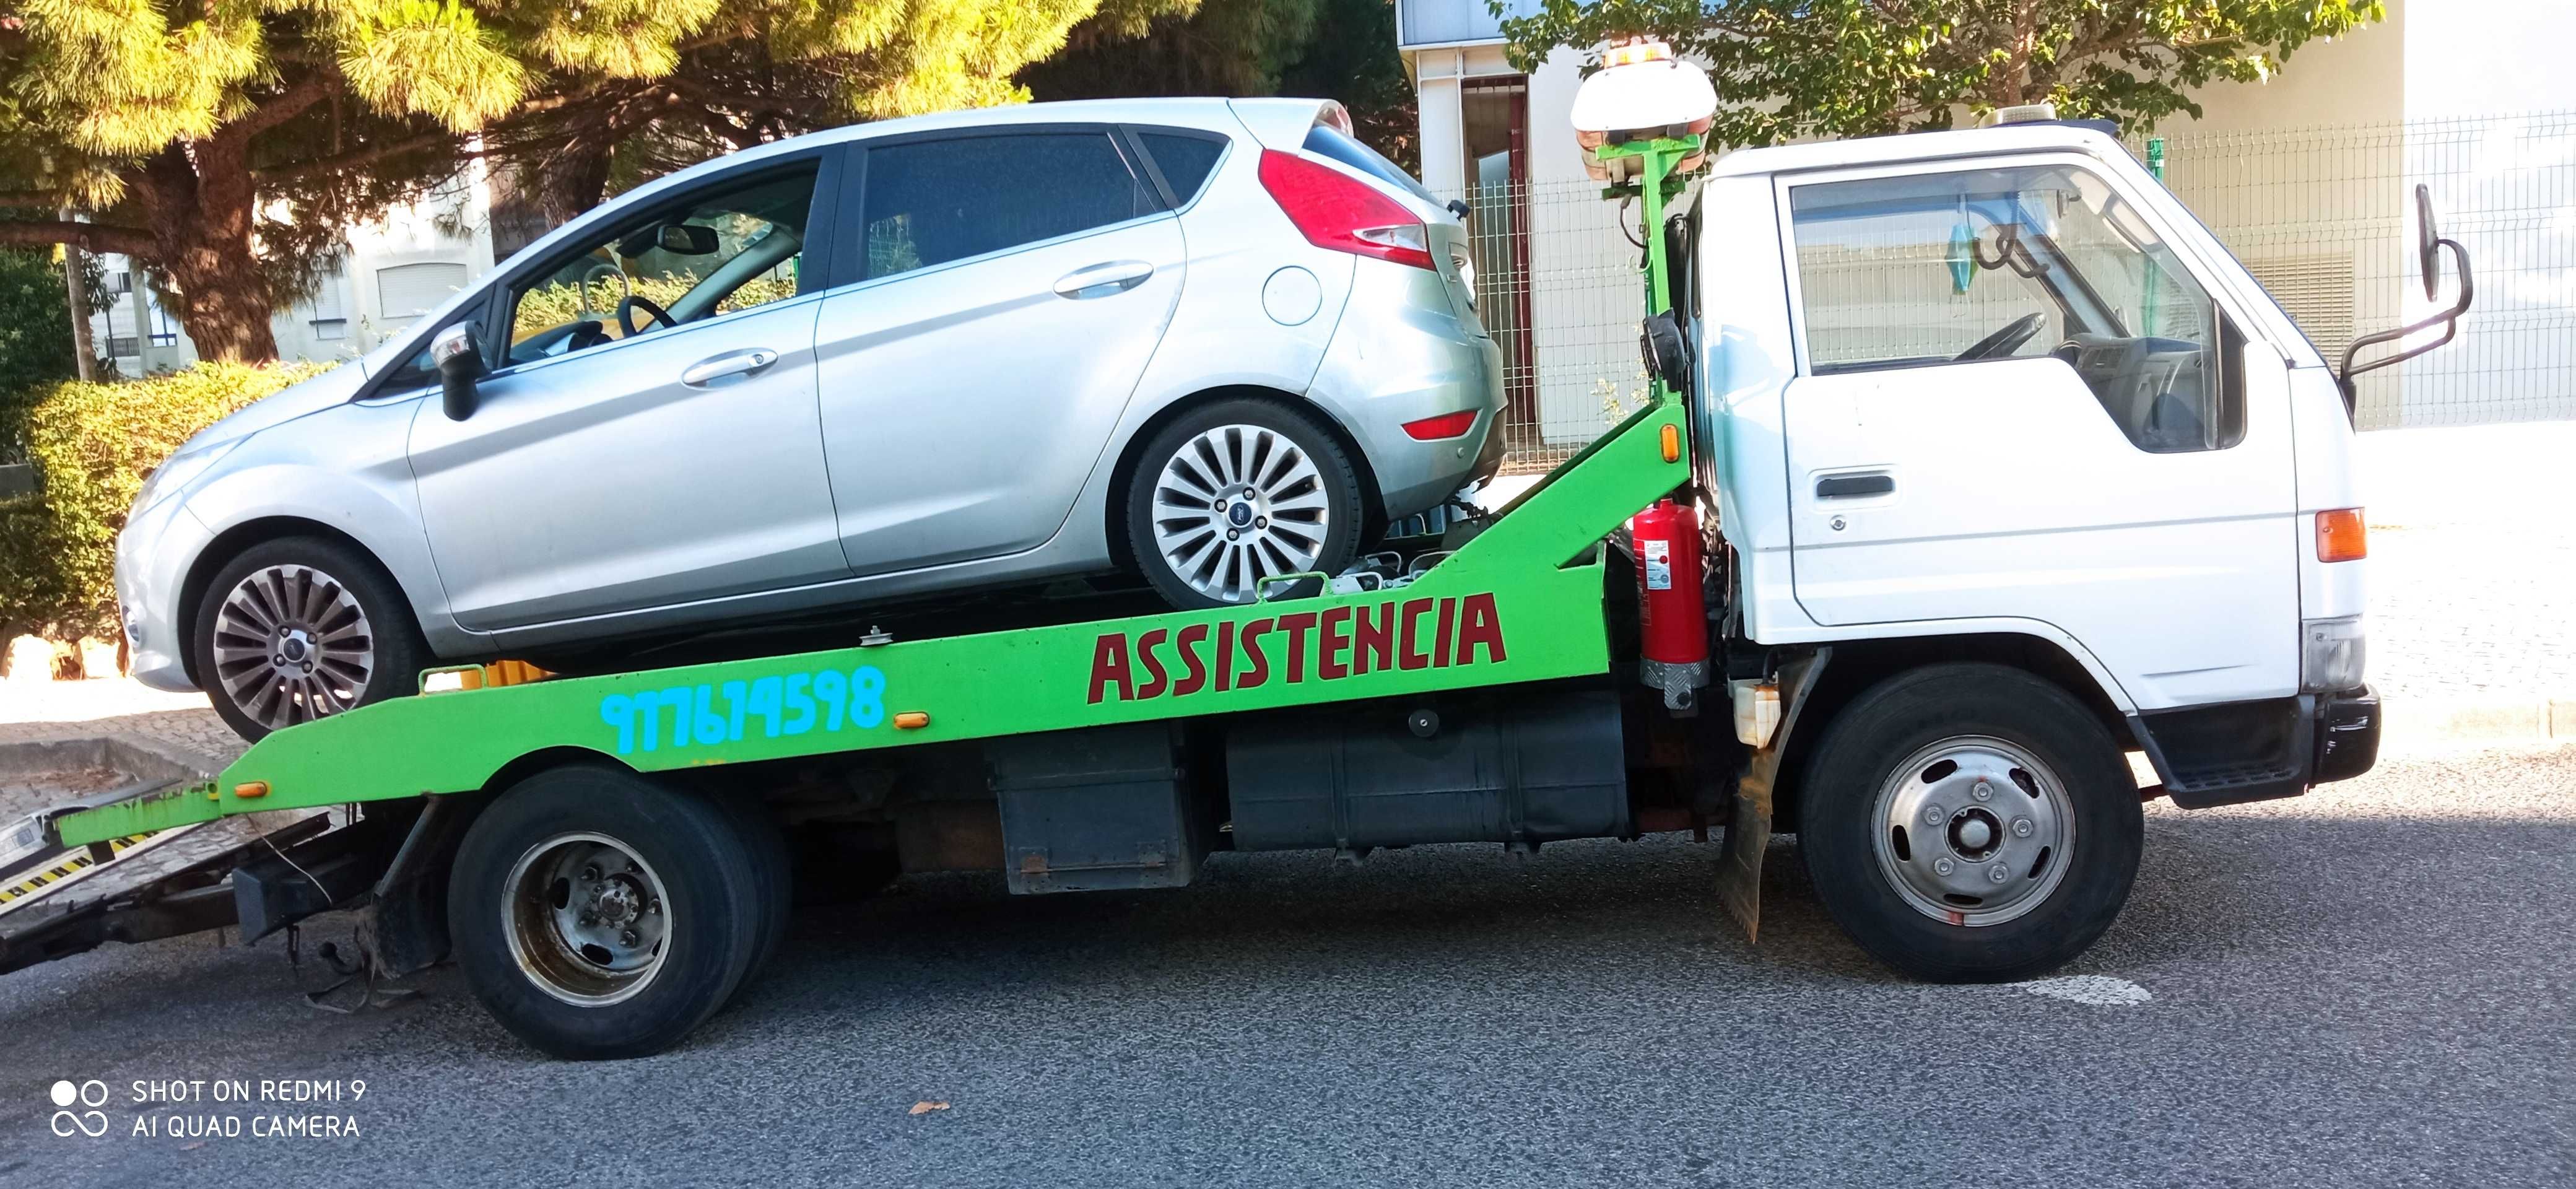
<point x="1999" y="389"/>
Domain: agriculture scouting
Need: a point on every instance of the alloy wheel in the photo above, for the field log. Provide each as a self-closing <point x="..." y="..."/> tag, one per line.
<point x="291" y="645"/>
<point x="1236" y="504"/>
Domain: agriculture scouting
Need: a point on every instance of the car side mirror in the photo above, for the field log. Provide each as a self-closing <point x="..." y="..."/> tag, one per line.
<point x="459" y="366"/>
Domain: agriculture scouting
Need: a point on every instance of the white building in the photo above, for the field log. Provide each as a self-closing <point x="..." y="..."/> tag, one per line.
<point x="390" y="272"/>
<point x="2305" y="176"/>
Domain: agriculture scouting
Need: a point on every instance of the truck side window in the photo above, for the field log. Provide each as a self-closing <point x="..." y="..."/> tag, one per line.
<point x="1984" y="264"/>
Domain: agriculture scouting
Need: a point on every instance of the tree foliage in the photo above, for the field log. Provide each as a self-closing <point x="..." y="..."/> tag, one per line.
<point x="231" y="143"/>
<point x="1791" y="68"/>
<point x="1324" y="49"/>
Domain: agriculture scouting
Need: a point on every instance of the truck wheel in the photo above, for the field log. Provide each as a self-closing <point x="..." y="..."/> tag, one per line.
<point x="1235" y="491"/>
<point x="1970" y="823"/>
<point x="599" y="914"/>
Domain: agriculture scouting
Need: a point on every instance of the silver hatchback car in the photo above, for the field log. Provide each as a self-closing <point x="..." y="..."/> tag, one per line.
<point x="1204" y="340"/>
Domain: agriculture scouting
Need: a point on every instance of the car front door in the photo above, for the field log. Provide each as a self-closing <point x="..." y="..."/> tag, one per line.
<point x="1013" y="284"/>
<point x="2013" y="402"/>
<point x="649" y="436"/>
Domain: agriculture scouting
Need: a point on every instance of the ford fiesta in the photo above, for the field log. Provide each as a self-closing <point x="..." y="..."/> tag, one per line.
<point x="1205" y="341"/>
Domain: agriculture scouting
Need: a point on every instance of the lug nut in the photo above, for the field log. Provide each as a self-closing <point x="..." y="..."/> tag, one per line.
<point x="1260" y="522"/>
<point x="1941" y="866"/>
<point x="1932" y="815"/>
<point x="653" y="908"/>
<point x="1230" y="534"/>
<point x="1998" y="873"/>
<point x="589" y="918"/>
<point x="629" y="938"/>
<point x="2022" y="827"/>
<point x="1983" y="791"/>
<point x="1219" y="505"/>
<point x="590" y="873"/>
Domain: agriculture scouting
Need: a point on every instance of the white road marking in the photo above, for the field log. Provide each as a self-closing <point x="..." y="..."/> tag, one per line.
<point x="2092" y="990"/>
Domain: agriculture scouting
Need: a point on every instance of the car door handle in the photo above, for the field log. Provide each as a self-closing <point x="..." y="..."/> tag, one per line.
<point x="1840" y="486"/>
<point x="731" y="363"/>
<point x="1102" y="280"/>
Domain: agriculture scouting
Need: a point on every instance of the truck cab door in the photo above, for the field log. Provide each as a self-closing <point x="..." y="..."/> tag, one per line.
<point x="2014" y="403"/>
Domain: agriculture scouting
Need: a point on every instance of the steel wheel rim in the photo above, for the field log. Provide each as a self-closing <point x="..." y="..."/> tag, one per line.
<point x="291" y="645"/>
<point x="1236" y="504"/>
<point x="587" y="919"/>
<point x="1973" y="830"/>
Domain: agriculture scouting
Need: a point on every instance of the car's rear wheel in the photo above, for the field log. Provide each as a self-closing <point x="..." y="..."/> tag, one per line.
<point x="1236" y="491"/>
<point x="302" y="628"/>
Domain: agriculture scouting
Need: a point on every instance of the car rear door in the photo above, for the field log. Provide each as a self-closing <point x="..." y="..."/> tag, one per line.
<point x="1013" y="283"/>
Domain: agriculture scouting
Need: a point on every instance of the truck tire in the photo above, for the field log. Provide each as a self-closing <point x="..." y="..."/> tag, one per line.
<point x="1970" y="823"/>
<point x="1236" y="490"/>
<point x="601" y="915"/>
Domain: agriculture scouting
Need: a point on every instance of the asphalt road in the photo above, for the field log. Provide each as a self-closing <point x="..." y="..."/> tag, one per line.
<point x="2368" y="986"/>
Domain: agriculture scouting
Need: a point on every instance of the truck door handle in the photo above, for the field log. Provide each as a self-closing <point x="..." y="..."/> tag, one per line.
<point x="1102" y="280"/>
<point x="731" y="363"/>
<point x="1840" y="486"/>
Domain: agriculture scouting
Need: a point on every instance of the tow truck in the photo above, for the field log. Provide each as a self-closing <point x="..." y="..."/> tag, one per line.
<point x="1916" y="605"/>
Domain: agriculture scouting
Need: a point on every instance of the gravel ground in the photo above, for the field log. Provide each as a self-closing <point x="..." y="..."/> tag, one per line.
<point x="2369" y="985"/>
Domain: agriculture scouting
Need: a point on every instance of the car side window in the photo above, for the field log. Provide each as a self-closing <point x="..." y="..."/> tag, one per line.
<point x="927" y="202"/>
<point x="728" y="249"/>
<point x="1973" y="265"/>
<point x="1185" y="160"/>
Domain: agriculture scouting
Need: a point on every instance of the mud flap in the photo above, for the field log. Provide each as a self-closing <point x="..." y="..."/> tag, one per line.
<point x="1748" y="824"/>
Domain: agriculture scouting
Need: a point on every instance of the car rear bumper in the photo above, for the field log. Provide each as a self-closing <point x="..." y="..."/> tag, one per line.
<point x="1399" y="356"/>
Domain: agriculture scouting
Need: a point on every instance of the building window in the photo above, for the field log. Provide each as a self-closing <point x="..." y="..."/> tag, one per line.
<point x="407" y="291"/>
<point x="120" y="282"/>
<point x="122" y="344"/>
<point x="327" y="329"/>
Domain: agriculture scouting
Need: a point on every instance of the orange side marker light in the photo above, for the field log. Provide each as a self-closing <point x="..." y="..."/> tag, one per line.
<point x="250" y="790"/>
<point x="911" y="720"/>
<point x="2341" y="536"/>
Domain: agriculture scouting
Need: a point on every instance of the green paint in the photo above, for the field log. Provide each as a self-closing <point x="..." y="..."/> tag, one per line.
<point x="2154" y="280"/>
<point x="1533" y="580"/>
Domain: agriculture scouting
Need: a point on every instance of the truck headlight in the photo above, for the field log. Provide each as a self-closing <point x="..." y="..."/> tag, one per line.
<point x="2331" y="652"/>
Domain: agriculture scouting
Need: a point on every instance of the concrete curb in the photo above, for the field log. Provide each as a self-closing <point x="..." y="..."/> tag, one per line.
<point x="2479" y="719"/>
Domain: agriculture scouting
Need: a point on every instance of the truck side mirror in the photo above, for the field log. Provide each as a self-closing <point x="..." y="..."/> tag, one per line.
<point x="2427" y="259"/>
<point x="459" y="366"/>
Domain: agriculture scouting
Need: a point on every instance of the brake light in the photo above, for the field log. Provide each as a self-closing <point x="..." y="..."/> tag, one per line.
<point x="1334" y="210"/>
<point x="1446" y="425"/>
<point x="2341" y="537"/>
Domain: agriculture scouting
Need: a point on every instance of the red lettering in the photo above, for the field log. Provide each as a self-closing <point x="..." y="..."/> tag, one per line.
<point x="1295" y="626"/>
<point x="1328" y="651"/>
<point x="1260" y="670"/>
<point x="1155" y="681"/>
<point x="1373" y="636"/>
<point x="1408" y="651"/>
<point x="1196" y="677"/>
<point x="1109" y="664"/>
<point x="1481" y="625"/>
<point x="1440" y="636"/>
<point x="1223" y="657"/>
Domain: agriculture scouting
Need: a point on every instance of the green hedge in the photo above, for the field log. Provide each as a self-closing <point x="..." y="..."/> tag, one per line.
<point x="94" y="443"/>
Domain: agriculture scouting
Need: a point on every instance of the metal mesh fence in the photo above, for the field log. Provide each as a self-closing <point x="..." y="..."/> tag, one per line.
<point x="2323" y="217"/>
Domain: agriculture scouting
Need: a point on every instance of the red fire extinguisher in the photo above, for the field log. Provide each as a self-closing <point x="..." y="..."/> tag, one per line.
<point x="1671" y="616"/>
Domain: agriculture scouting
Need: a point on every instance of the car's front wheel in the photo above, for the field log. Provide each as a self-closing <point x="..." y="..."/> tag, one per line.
<point x="1236" y="491"/>
<point x="302" y="628"/>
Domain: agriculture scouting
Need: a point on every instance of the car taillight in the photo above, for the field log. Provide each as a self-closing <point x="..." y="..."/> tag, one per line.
<point x="1446" y="425"/>
<point x="1334" y="210"/>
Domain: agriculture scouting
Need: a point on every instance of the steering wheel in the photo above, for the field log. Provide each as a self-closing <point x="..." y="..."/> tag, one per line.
<point x="2000" y="343"/>
<point x="627" y="306"/>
